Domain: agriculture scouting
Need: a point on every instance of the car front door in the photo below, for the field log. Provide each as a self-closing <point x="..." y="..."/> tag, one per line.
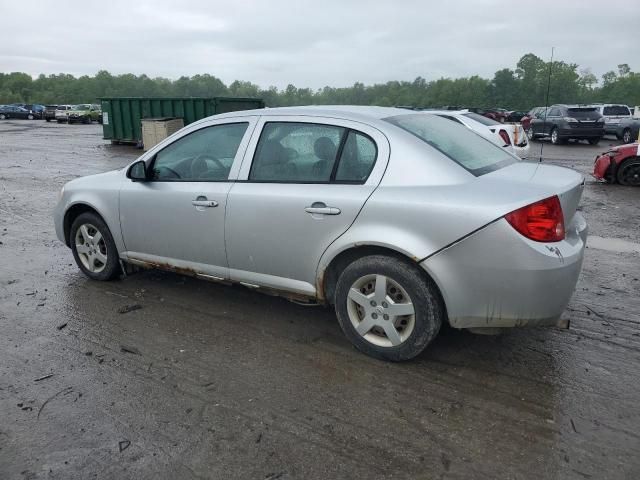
<point x="302" y="183"/>
<point x="175" y="219"/>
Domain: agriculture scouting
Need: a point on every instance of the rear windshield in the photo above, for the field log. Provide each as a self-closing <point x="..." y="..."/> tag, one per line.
<point x="616" y="110"/>
<point x="481" y="119"/>
<point x="468" y="149"/>
<point x="583" y="112"/>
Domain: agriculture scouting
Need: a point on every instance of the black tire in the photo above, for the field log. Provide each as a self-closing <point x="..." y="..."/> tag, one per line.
<point x="556" y="139"/>
<point x="628" y="172"/>
<point x="47" y="119"/>
<point x="86" y="120"/>
<point x="427" y="302"/>
<point x="111" y="268"/>
<point x="59" y="121"/>
<point x="530" y="135"/>
<point x="594" y="141"/>
<point x="626" y="136"/>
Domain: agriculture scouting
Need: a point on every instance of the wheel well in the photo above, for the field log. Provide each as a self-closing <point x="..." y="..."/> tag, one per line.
<point x="73" y="213"/>
<point x="343" y="259"/>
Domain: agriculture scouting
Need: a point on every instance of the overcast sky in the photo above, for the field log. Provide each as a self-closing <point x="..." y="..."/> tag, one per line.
<point x="313" y="43"/>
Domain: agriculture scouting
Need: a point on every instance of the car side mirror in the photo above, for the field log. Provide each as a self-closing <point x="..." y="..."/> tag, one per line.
<point x="138" y="171"/>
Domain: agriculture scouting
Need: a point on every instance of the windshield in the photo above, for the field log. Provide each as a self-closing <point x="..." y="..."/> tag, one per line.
<point x="81" y="107"/>
<point x="481" y="119"/>
<point x="468" y="149"/>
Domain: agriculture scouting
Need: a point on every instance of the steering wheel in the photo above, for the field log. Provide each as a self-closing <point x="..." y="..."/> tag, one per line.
<point x="205" y="156"/>
<point x="173" y="173"/>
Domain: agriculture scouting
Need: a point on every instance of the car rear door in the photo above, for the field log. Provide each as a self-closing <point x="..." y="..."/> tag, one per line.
<point x="302" y="184"/>
<point x="176" y="218"/>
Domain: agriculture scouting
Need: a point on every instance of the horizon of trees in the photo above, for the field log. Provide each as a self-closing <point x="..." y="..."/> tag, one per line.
<point x="520" y="88"/>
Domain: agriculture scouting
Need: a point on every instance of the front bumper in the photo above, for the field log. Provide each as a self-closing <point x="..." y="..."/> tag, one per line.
<point x="498" y="278"/>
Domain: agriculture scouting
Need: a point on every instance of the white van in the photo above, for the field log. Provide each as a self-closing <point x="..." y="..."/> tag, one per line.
<point x="612" y="114"/>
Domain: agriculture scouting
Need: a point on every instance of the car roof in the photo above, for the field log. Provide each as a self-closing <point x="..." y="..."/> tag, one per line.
<point x="352" y="112"/>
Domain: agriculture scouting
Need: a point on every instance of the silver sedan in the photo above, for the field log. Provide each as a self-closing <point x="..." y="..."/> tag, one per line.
<point x="401" y="220"/>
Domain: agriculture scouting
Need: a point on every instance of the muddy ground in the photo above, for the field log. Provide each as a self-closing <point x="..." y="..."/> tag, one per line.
<point x="207" y="381"/>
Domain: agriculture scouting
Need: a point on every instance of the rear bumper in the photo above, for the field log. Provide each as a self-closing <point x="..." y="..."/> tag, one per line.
<point x="581" y="132"/>
<point x="498" y="278"/>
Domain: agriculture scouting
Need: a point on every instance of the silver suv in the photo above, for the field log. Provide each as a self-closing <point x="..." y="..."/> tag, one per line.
<point x="613" y="113"/>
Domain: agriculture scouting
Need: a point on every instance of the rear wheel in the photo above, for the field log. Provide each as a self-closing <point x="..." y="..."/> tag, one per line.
<point x="628" y="172"/>
<point x="30" y="116"/>
<point x="93" y="247"/>
<point x="387" y="308"/>
<point x="594" y="141"/>
<point x="2" y="116"/>
<point x="626" y="136"/>
<point x="555" y="137"/>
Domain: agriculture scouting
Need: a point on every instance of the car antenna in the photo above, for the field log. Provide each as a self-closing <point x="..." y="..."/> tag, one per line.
<point x="546" y="106"/>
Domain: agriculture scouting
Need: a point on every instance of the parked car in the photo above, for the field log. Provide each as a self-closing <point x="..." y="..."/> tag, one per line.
<point x="62" y="113"/>
<point x="525" y="121"/>
<point x="85" y="113"/>
<point x="50" y="112"/>
<point x="613" y="114"/>
<point x="628" y="130"/>
<point x="568" y="122"/>
<point x="12" y="111"/>
<point x="497" y="114"/>
<point x="514" y="116"/>
<point x="619" y="164"/>
<point x="399" y="219"/>
<point x="510" y="137"/>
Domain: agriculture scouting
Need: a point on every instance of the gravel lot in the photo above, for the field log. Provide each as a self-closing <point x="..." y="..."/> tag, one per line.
<point x="208" y="381"/>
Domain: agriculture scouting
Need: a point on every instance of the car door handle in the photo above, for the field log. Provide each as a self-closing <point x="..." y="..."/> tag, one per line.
<point x="321" y="209"/>
<point x="204" y="203"/>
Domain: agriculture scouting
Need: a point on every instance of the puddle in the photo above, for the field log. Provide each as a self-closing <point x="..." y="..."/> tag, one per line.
<point x="612" y="244"/>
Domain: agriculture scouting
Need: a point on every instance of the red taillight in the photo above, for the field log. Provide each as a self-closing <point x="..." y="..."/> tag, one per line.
<point x="541" y="221"/>
<point x="505" y="137"/>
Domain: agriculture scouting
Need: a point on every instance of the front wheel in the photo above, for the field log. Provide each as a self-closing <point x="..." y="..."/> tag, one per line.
<point x="594" y="141"/>
<point x="387" y="308"/>
<point x="86" y="120"/>
<point x="3" y="116"/>
<point x="530" y="134"/>
<point x="626" y="136"/>
<point x="628" y="172"/>
<point x="93" y="247"/>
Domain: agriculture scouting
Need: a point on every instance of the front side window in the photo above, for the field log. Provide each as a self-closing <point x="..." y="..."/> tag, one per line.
<point x="466" y="148"/>
<point x="204" y="155"/>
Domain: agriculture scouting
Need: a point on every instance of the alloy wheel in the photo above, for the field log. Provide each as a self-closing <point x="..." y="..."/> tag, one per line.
<point x="91" y="248"/>
<point x="381" y="310"/>
<point x="626" y="136"/>
<point x="530" y="133"/>
<point x="554" y="136"/>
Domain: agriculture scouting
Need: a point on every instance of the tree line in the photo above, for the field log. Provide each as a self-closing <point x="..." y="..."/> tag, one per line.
<point x="520" y="88"/>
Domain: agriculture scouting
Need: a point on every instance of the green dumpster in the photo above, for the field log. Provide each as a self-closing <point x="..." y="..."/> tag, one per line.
<point x="121" y="115"/>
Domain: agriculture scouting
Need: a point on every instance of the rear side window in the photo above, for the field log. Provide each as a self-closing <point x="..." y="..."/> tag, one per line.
<point x="290" y="152"/>
<point x="357" y="159"/>
<point x="468" y="149"/>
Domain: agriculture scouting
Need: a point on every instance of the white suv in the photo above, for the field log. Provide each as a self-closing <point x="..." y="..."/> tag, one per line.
<point x="613" y="114"/>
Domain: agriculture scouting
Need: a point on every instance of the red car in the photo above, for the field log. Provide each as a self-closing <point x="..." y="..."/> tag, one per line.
<point x="620" y="164"/>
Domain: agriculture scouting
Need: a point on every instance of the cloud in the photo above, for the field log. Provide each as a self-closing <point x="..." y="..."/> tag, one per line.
<point x="309" y="43"/>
